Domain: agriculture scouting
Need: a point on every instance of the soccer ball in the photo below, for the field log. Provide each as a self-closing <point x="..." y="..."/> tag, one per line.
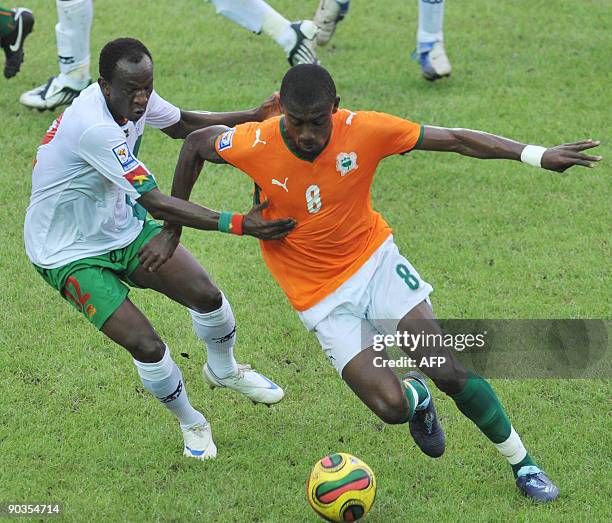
<point x="341" y="487"/>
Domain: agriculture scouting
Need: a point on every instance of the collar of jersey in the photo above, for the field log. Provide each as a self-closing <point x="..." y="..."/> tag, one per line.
<point x="292" y="148"/>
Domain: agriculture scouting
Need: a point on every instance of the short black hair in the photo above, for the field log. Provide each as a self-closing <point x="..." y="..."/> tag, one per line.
<point x="129" y="48"/>
<point x="307" y="85"/>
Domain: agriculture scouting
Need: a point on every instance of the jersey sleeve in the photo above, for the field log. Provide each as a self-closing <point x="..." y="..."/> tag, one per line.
<point x="235" y="145"/>
<point x="160" y="113"/>
<point x="105" y="149"/>
<point x="390" y="134"/>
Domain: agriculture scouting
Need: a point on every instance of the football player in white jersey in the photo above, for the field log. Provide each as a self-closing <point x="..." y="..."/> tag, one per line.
<point x="87" y="234"/>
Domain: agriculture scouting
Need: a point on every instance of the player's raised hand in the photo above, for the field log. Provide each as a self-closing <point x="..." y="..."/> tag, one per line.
<point x="564" y="156"/>
<point x="270" y="107"/>
<point x="254" y="224"/>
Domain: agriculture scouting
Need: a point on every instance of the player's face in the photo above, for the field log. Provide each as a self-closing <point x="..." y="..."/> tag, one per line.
<point x="309" y="129"/>
<point x="127" y="95"/>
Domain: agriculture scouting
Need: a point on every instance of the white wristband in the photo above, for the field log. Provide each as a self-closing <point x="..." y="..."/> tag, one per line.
<point x="532" y="154"/>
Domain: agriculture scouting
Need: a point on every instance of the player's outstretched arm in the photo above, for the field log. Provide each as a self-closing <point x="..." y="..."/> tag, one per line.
<point x="193" y="120"/>
<point x="478" y="144"/>
<point x="177" y="213"/>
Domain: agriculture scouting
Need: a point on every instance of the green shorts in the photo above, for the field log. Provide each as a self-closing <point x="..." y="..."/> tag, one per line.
<point x="95" y="285"/>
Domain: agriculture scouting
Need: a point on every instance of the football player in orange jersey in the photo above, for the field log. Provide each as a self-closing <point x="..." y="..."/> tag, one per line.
<point x="341" y="269"/>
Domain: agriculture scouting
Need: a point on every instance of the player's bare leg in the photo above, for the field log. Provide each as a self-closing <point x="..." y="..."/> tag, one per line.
<point x="394" y="402"/>
<point x="377" y="387"/>
<point x="185" y="281"/>
<point x="477" y="400"/>
<point x="158" y="373"/>
<point x="451" y="377"/>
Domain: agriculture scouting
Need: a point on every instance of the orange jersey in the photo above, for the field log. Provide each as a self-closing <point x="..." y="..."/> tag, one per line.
<point x="337" y="229"/>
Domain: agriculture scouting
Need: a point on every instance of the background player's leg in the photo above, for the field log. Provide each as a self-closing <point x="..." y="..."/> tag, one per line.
<point x="15" y="25"/>
<point x="72" y="33"/>
<point x="430" y="40"/>
<point x="297" y="39"/>
<point x="185" y="281"/>
<point x="329" y="13"/>
<point x="473" y="395"/>
<point x="431" y="19"/>
<point x="7" y="21"/>
<point x="159" y="375"/>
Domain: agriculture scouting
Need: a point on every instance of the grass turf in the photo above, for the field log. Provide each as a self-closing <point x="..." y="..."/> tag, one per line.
<point x="496" y="239"/>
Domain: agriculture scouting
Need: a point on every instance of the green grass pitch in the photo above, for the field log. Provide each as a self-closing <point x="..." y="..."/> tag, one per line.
<point x="496" y="240"/>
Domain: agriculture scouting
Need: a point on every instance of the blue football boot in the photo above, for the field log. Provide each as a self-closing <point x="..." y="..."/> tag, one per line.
<point x="534" y="484"/>
<point x="433" y="60"/>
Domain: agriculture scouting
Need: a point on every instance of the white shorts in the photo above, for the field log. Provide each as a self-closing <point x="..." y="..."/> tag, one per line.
<point x="385" y="288"/>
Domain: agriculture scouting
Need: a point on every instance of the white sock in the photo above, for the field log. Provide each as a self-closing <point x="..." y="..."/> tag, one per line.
<point x="72" y="34"/>
<point x="164" y="380"/>
<point x="277" y="27"/>
<point x="218" y="330"/>
<point x="258" y="16"/>
<point x="431" y="18"/>
<point x="512" y="449"/>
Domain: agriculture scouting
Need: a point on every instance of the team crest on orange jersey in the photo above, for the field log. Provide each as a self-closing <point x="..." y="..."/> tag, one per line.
<point x="346" y="162"/>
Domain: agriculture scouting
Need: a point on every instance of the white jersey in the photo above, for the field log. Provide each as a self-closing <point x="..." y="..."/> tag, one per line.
<point x="86" y="181"/>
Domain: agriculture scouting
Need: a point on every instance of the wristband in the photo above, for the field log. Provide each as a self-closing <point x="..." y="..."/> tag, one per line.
<point x="236" y="224"/>
<point x="532" y="155"/>
<point x="225" y="219"/>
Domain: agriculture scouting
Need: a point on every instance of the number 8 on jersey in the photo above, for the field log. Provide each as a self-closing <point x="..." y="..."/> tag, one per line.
<point x="313" y="199"/>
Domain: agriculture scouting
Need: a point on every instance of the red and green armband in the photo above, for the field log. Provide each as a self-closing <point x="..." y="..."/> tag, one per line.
<point x="231" y="223"/>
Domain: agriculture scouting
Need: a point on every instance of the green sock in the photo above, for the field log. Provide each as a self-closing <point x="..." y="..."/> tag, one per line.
<point x="479" y="403"/>
<point x="415" y="392"/>
<point x="527" y="461"/>
<point x="7" y="21"/>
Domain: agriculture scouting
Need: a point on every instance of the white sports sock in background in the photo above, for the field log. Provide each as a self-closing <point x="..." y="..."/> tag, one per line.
<point x="258" y="16"/>
<point x="431" y="19"/>
<point x="72" y="33"/>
